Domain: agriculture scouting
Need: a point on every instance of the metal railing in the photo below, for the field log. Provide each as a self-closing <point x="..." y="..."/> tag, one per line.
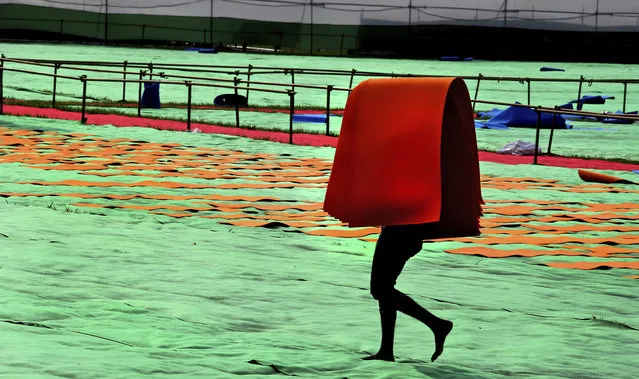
<point x="237" y="84"/>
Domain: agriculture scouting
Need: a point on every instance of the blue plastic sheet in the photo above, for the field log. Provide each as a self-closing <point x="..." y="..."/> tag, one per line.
<point x="609" y="120"/>
<point x="574" y="116"/>
<point x="591" y="99"/>
<point x="487" y="125"/>
<point x="489" y="114"/>
<point x="522" y="117"/>
<point x="310" y="117"/>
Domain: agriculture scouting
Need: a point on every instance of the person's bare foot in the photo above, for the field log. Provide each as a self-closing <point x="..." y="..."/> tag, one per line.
<point x="380" y="356"/>
<point x="441" y="333"/>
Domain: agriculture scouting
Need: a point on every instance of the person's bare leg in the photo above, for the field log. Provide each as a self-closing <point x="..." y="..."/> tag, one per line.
<point x="385" y="353"/>
<point x="440" y="327"/>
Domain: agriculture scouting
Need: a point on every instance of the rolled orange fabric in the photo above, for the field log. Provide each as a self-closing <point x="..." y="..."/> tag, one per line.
<point x="407" y="154"/>
<point x="591" y="176"/>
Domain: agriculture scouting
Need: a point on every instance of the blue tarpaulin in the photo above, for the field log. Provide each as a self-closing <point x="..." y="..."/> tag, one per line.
<point x="610" y="120"/>
<point x="591" y="99"/>
<point x="318" y="118"/>
<point x="522" y="117"/>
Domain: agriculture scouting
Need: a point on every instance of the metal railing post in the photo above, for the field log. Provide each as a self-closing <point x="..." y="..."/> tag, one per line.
<point x="350" y="84"/>
<point x="552" y="130"/>
<point x="140" y="93"/>
<point x="188" y="106"/>
<point x="55" y="83"/>
<point x="1" y="88"/>
<point x="477" y="90"/>
<point x="83" y="78"/>
<point x="581" y="82"/>
<point x="236" y="81"/>
<point x="248" y="80"/>
<point x="124" y="82"/>
<point x="291" y="95"/>
<point x="537" y="135"/>
<point x="625" y="92"/>
<point x="329" y="88"/>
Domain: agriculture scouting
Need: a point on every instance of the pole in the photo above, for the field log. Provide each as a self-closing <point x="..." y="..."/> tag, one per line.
<point x="350" y="84"/>
<point x="188" y="107"/>
<point x="329" y="88"/>
<point x="211" y="25"/>
<point x="552" y="130"/>
<point x="106" y="22"/>
<point x="248" y="80"/>
<point x="1" y="87"/>
<point x="410" y="19"/>
<point x="528" y="80"/>
<point x="83" y="78"/>
<point x="140" y="93"/>
<point x="581" y="82"/>
<point x="236" y="81"/>
<point x="625" y="91"/>
<point x="55" y="83"/>
<point x="311" y="27"/>
<point x="477" y="90"/>
<point x="291" y="95"/>
<point x="124" y="82"/>
<point x="505" y="12"/>
<point x="537" y="135"/>
<point x="597" y="17"/>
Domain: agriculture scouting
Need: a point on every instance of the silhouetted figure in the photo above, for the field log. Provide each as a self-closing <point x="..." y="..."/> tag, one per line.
<point x="395" y="246"/>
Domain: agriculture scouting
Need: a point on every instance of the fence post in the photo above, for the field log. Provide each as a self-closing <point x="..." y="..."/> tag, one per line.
<point x="150" y="70"/>
<point x="1" y="87"/>
<point x="140" y="93"/>
<point x="329" y="88"/>
<point x="188" y="106"/>
<point x="350" y="84"/>
<point x="291" y="95"/>
<point x="2" y="83"/>
<point x="477" y="89"/>
<point x="552" y="129"/>
<point x="55" y="83"/>
<point x="537" y="135"/>
<point x="83" y="78"/>
<point x="236" y="81"/>
<point x="581" y="82"/>
<point x="248" y="81"/>
<point x="528" y="80"/>
<point x="625" y="91"/>
<point x="293" y="79"/>
<point x="124" y="82"/>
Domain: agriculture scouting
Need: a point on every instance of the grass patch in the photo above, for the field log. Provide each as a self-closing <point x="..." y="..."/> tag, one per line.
<point x="73" y="108"/>
<point x="107" y="103"/>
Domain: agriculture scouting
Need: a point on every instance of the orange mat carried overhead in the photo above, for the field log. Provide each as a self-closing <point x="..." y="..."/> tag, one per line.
<point x="407" y="154"/>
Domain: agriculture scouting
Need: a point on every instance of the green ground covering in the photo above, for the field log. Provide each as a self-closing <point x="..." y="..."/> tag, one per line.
<point x="96" y="282"/>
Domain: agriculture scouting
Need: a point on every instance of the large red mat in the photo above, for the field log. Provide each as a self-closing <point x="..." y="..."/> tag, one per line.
<point x="298" y="138"/>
